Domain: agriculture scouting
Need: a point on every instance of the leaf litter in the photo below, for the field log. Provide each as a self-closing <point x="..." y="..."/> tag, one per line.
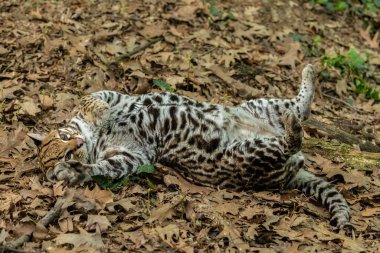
<point x="54" y="52"/>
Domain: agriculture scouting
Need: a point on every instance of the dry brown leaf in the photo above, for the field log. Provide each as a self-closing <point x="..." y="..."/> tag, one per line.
<point x="233" y="234"/>
<point x="46" y="101"/>
<point x="40" y="232"/>
<point x="325" y="234"/>
<point x="154" y="30"/>
<point x="169" y="234"/>
<point x="290" y="58"/>
<point x="184" y="185"/>
<point x="81" y="239"/>
<point x="15" y="138"/>
<point x="267" y="196"/>
<point x="3" y="235"/>
<point x="102" y="197"/>
<point x="372" y="42"/>
<point x="353" y="176"/>
<point x="189" y="211"/>
<point x="185" y="13"/>
<point x="37" y="77"/>
<point x="341" y="87"/>
<point x="66" y="224"/>
<point x="251" y="211"/>
<point x="29" y="107"/>
<point x="3" y="50"/>
<point x="229" y="207"/>
<point x="8" y="87"/>
<point x="166" y="211"/>
<point x="99" y="221"/>
<point x="371" y="211"/>
<point x="126" y="204"/>
<point x="239" y="87"/>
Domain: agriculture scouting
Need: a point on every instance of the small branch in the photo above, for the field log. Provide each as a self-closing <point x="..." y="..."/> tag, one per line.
<point x="239" y="88"/>
<point x="274" y="72"/>
<point x="342" y="136"/>
<point x="137" y="49"/>
<point x="51" y="216"/>
<point x="9" y="250"/>
<point x="343" y="102"/>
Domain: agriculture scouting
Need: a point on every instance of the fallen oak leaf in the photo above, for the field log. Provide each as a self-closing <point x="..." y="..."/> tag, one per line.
<point x="290" y="58"/>
<point x="232" y="233"/>
<point x="98" y="220"/>
<point x="168" y="233"/>
<point x="101" y="197"/>
<point x="126" y="204"/>
<point x="29" y="107"/>
<point x="165" y="211"/>
<point x="229" y="207"/>
<point x="371" y="211"/>
<point x="151" y="31"/>
<point x="238" y="87"/>
<point x="372" y="42"/>
<point x="46" y="101"/>
<point x="82" y="239"/>
<point x="184" y="185"/>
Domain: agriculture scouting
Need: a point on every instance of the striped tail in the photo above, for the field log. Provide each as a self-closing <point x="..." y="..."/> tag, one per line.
<point x="327" y="195"/>
<point x="306" y="94"/>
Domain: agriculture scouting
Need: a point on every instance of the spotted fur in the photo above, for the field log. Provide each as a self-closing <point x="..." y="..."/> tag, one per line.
<point x="252" y="146"/>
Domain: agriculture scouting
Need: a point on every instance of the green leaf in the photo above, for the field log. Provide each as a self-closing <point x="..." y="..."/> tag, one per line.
<point x="377" y="3"/>
<point x="317" y="40"/>
<point x="325" y="75"/>
<point x="114" y="184"/>
<point x="341" y="6"/>
<point x="296" y="37"/>
<point x="163" y="85"/>
<point x="355" y="61"/>
<point x="146" y="169"/>
<point x="371" y="7"/>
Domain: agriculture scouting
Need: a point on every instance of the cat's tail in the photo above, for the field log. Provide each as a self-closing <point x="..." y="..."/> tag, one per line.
<point x="305" y="96"/>
<point x="326" y="194"/>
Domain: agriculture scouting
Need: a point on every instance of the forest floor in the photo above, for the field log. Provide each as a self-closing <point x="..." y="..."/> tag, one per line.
<point x="54" y="52"/>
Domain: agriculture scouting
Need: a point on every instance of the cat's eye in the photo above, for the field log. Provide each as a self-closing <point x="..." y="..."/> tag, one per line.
<point x="64" y="137"/>
<point x="69" y="155"/>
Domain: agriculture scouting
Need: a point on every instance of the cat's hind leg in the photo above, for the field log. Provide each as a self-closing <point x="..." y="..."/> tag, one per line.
<point x="94" y="110"/>
<point x="262" y="159"/>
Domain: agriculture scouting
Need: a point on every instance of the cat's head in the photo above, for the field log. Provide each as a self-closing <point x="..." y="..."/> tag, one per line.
<point x="59" y="145"/>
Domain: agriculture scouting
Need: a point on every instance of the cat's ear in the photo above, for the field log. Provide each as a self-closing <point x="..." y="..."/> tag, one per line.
<point x="37" y="138"/>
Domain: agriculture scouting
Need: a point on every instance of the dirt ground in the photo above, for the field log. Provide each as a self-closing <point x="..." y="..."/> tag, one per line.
<point x="54" y="52"/>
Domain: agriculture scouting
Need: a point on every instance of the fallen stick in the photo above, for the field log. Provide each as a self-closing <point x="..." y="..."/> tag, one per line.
<point x="342" y="136"/>
<point x="137" y="49"/>
<point x="4" y="249"/>
<point x="60" y="205"/>
<point x="237" y="87"/>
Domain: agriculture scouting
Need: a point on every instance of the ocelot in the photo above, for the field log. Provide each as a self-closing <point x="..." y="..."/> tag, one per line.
<point x="255" y="145"/>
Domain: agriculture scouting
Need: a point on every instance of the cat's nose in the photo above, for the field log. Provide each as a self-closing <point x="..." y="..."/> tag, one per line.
<point x="79" y="142"/>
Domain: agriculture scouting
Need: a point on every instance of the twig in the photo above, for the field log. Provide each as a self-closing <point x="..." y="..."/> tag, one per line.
<point x="51" y="216"/>
<point x="342" y="136"/>
<point x="137" y="49"/>
<point x="274" y="72"/>
<point x="8" y="250"/>
<point x="343" y="102"/>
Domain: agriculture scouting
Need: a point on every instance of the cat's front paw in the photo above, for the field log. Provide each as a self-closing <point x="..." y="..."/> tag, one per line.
<point x="71" y="172"/>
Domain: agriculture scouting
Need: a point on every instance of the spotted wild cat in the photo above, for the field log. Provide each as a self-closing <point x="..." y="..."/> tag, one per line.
<point x="252" y="146"/>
